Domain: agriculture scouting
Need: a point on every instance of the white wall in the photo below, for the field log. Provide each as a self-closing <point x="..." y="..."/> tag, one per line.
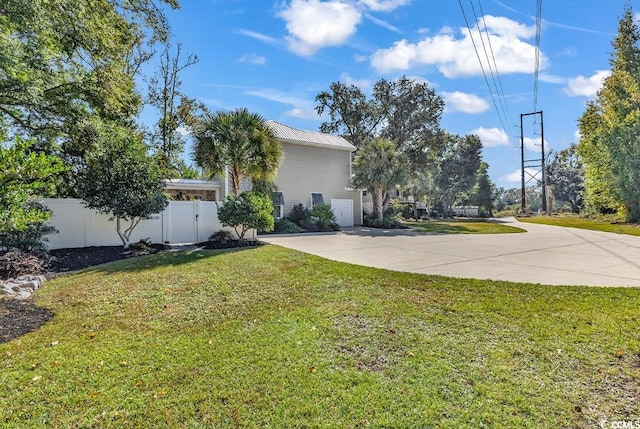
<point x="181" y="222"/>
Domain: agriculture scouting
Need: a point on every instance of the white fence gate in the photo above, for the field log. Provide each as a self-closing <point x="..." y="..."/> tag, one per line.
<point x="181" y="222"/>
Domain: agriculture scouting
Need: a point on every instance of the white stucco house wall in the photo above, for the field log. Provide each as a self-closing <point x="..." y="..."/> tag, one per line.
<point x="316" y="164"/>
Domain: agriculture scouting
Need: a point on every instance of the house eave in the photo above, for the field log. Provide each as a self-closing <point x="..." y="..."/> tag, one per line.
<point x="318" y="145"/>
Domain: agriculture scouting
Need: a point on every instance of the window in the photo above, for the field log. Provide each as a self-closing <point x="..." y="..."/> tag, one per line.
<point x="278" y="204"/>
<point x="316" y="199"/>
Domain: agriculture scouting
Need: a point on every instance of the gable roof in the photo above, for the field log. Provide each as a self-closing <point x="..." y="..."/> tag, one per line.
<point x="310" y="138"/>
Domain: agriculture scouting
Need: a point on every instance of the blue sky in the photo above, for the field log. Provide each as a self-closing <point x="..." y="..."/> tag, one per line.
<point x="274" y="57"/>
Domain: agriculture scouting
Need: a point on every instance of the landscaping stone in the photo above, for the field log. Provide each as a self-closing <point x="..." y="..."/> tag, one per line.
<point x="21" y="287"/>
<point x="22" y="295"/>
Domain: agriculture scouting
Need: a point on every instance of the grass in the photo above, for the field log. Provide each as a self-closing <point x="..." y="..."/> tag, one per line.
<point x="461" y="226"/>
<point x="270" y="337"/>
<point x="584" y="223"/>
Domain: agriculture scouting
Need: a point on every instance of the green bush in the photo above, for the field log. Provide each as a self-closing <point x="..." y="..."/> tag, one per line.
<point x="245" y="211"/>
<point x="319" y="219"/>
<point x="402" y="208"/>
<point x="222" y="237"/>
<point x="30" y="239"/>
<point x="286" y="226"/>
<point x="299" y="215"/>
<point x="322" y="218"/>
<point x="389" y="221"/>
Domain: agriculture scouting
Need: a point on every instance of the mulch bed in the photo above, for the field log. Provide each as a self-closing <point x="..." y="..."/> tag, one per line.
<point x="18" y="318"/>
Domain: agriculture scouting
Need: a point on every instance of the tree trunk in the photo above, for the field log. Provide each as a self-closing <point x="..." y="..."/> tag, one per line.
<point x="236" y="180"/>
<point x="378" y="203"/>
<point x="123" y="237"/>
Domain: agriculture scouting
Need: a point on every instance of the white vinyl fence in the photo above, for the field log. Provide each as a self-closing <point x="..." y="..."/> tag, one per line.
<point x="182" y="222"/>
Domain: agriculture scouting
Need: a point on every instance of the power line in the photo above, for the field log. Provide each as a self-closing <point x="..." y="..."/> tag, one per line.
<point x="495" y="64"/>
<point x="475" y="48"/>
<point x="537" y="59"/>
<point x="486" y="55"/>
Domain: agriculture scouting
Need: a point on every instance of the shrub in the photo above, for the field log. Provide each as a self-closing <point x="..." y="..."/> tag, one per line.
<point x="15" y="263"/>
<point x="402" y="208"/>
<point x="30" y="239"/>
<point x="223" y="237"/>
<point x="323" y="218"/>
<point x="25" y="174"/>
<point x="299" y="215"/>
<point x="245" y="211"/>
<point x="286" y="226"/>
<point x="391" y="222"/>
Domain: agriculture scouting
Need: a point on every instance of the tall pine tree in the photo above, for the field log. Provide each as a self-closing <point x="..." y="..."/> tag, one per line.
<point x="610" y="129"/>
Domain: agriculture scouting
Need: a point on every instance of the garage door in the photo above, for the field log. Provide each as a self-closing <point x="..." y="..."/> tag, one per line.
<point x="343" y="209"/>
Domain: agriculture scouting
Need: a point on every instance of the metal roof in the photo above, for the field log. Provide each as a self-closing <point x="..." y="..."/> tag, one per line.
<point x="310" y="138"/>
<point x="191" y="184"/>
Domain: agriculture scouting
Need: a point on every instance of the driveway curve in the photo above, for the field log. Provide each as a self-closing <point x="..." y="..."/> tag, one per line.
<point x="544" y="254"/>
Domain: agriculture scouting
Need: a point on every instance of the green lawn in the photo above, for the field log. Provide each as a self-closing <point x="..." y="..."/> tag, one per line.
<point x="461" y="226"/>
<point x="270" y="337"/>
<point x="584" y="223"/>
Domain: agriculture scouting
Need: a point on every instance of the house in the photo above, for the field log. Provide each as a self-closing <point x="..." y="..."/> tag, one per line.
<point x="316" y="168"/>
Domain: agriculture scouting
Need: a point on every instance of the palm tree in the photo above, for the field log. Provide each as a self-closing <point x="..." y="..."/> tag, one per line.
<point x="239" y="141"/>
<point x="379" y="167"/>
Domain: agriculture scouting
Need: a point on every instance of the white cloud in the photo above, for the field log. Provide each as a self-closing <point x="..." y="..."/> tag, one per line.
<point x="258" y="36"/>
<point x="586" y="86"/>
<point x="577" y="136"/>
<point x="533" y="144"/>
<point x="491" y="137"/>
<point x="275" y="95"/>
<point x="456" y="56"/>
<point x="516" y="176"/>
<point x="363" y="84"/>
<point x="461" y="102"/>
<point x="550" y="78"/>
<point x="313" y="25"/>
<point x="400" y="56"/>
<point x="384" y="5"/>
<point x="307" y="113"/>
<point x="382" y="23"/>
<point x="507" y="27"/>
<point x="253" y="59"/>
<point x="420" y="79"/>
<point x="301" y="107"/>
<point x="568" y="52"/>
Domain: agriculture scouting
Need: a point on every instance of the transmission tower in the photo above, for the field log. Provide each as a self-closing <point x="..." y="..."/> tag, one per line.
<point x="536" y="163"/>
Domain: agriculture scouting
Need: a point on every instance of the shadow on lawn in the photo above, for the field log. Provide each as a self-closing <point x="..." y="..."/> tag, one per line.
<point x="172" y="258"/>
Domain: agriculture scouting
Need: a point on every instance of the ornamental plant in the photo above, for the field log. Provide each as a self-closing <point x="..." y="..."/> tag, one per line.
<point x="249" y="210"/>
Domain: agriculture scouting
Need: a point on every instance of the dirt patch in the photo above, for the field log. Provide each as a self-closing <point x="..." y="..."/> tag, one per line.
<point x="367" y="343"/>
<point x="21" y="317"/>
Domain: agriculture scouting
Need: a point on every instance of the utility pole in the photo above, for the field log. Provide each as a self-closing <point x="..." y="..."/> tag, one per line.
<point x="533" y="163"/>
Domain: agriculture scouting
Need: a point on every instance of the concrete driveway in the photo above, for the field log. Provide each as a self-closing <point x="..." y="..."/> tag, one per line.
<point x="544" y="254"/>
